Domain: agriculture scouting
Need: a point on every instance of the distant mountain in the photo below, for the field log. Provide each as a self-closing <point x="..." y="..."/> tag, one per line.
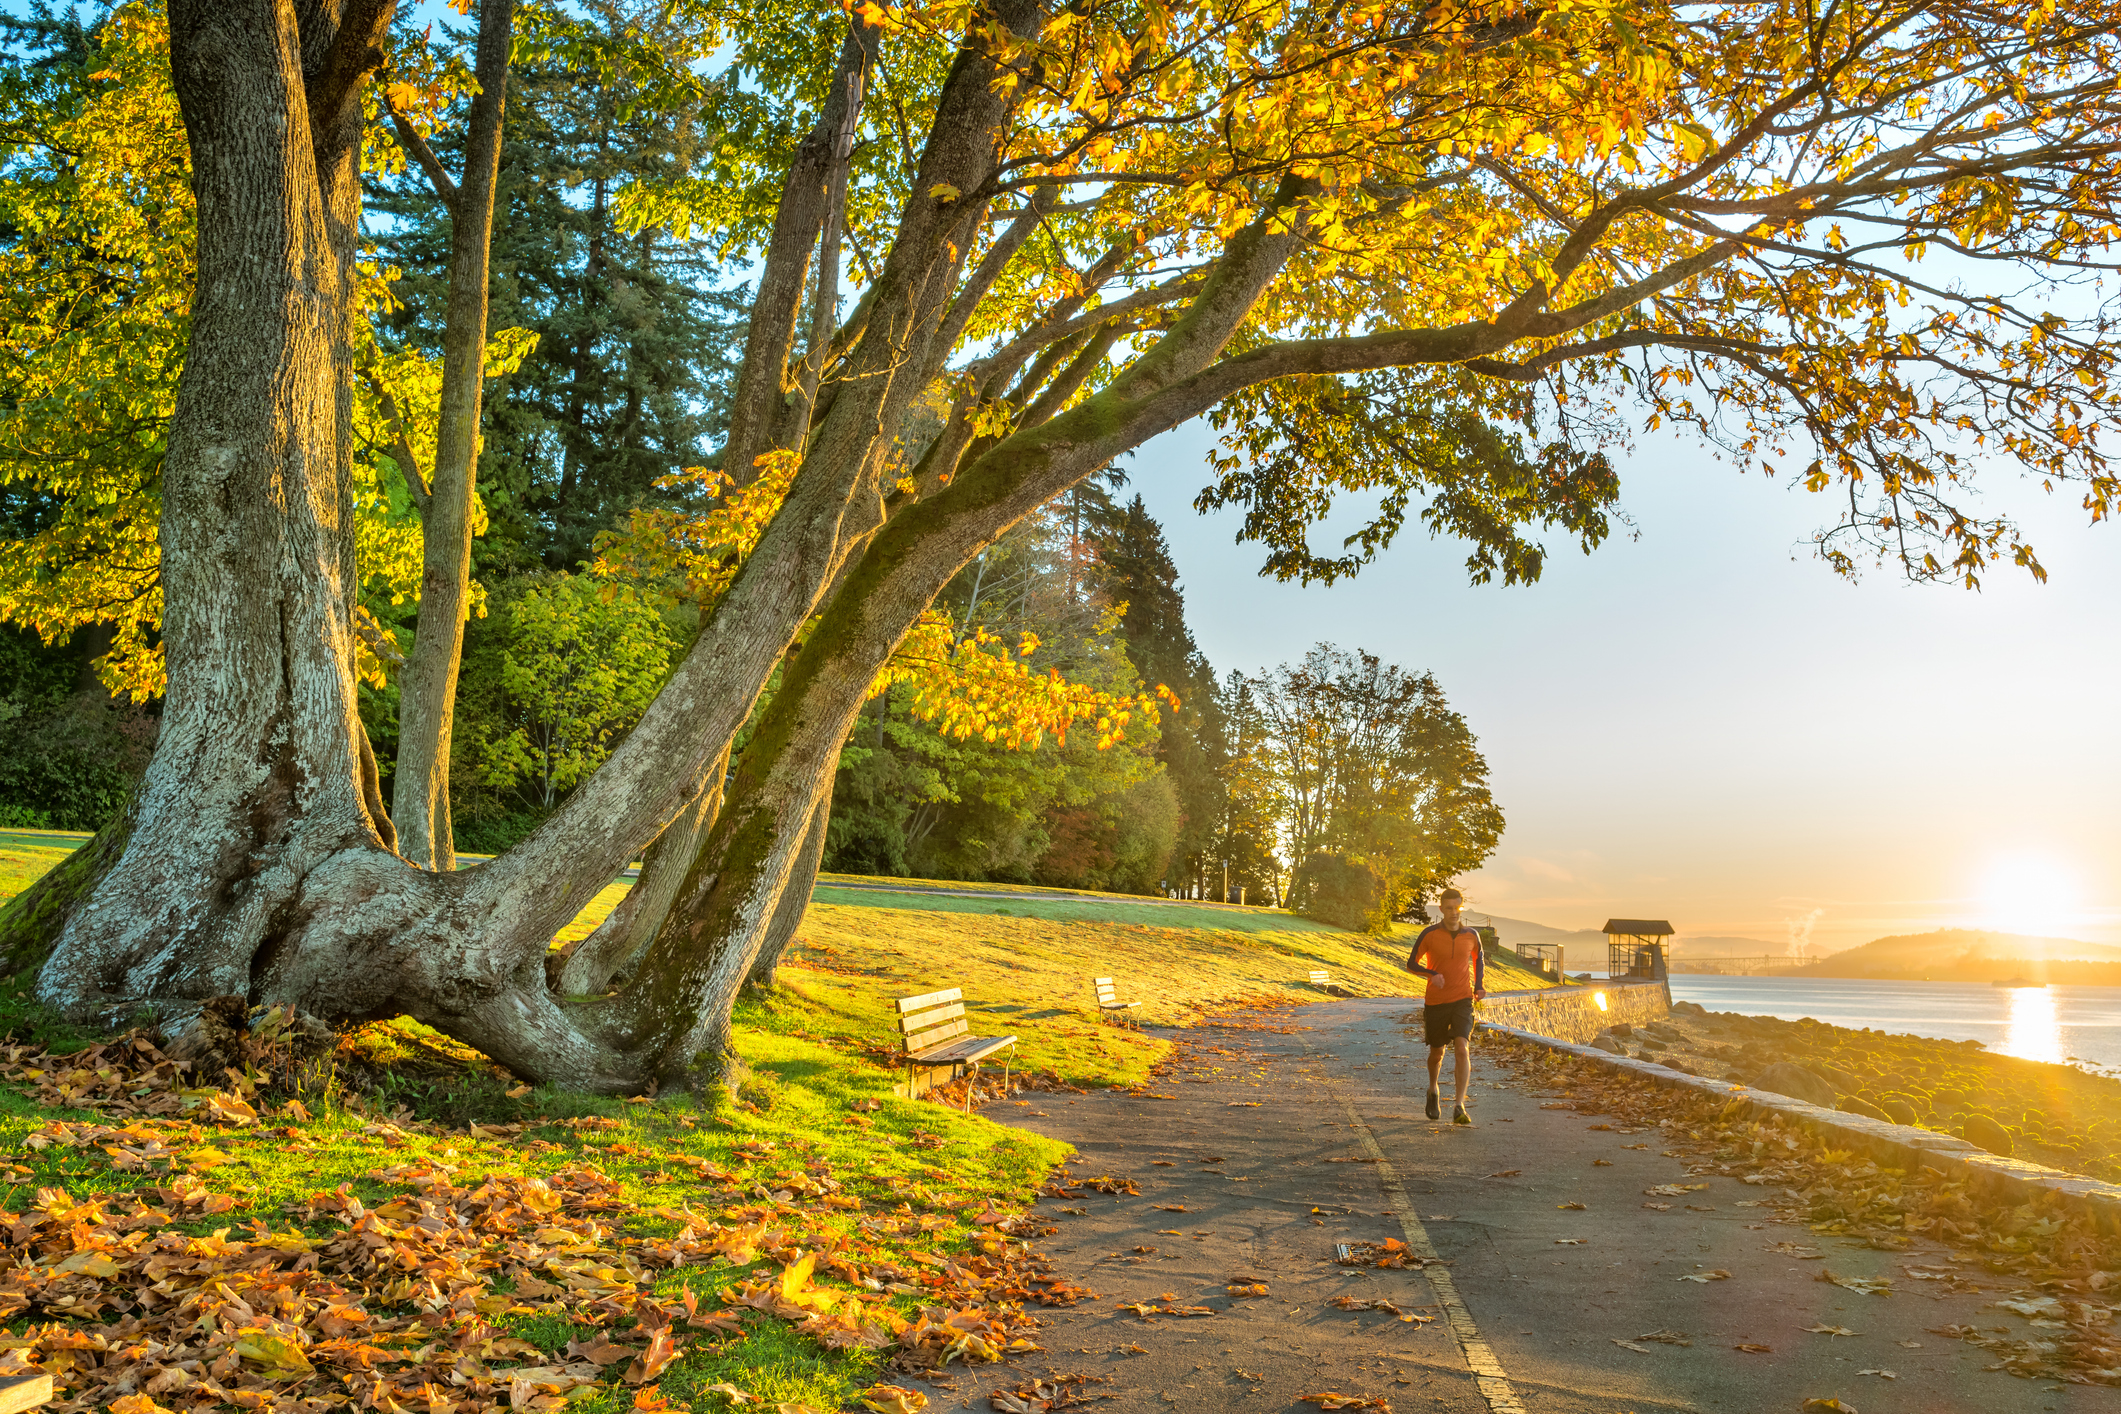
<point x="1973" y="955"/>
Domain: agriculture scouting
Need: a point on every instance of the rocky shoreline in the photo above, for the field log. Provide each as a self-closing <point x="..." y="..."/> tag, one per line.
<point x="2055" y="1115"/>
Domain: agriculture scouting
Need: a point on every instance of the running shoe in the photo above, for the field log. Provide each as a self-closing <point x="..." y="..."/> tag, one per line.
<point x="1459" y="1116"/>
<point x="1435" y="1105"/>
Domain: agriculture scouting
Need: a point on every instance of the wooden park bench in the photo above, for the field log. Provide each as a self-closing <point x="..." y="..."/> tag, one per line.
<point x="1323" y="980"/>
<point x="937" y="1035"/>
<point x="1109" y="1006"/>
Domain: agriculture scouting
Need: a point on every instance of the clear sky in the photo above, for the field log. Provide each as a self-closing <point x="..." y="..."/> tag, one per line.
<point x="1704" y="724"/>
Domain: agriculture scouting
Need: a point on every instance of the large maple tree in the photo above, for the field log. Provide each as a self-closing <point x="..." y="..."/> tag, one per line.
<point x="1446" y="253"/>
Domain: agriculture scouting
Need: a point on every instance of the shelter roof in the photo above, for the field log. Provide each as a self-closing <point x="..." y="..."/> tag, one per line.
<point x="1638" y="927"/>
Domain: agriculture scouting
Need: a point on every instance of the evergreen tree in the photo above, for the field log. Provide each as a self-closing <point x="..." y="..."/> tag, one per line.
<point x="1136" y="570"/>
<point x="636" y="329"/>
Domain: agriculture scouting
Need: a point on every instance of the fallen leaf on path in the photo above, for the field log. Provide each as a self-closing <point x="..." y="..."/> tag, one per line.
<point x="1659" y="1207"/>
<point x="1755" y="1349"/>
<point x="1345" y="1401"/>
<point x="1701" y="1208"/>
<point x="1601" y="1163"/>
<point x="2039" y="1306"/>
<point x="1163" y="1164"/>
<point x="1169" y="1207"/>
<point x="1247" y="1288"/>
<point x="1041" y="1395"/>
<point x="1882" y="1374"/>
<point x="1718" y="1275"/>
<point x="1908" y="1344"/>
<point x="1569" y="1241"/>
<point x="1831" y="1330"/>
<point x="1568" y="1207"/>
<point x="1674" y="1190"/>
<point x="1666" y="1338"/>
<point x="1827" y="1406"/>
<point x="1506" y="1173"/>
<point x="1868" y="1286"/>
<point x="1242" y="1105"/>
<point x="1794" y="1249"/>
<point x="893" y="1399"/>
<point x="1631" y="1345"/>
<point x="1356" y="1303"/>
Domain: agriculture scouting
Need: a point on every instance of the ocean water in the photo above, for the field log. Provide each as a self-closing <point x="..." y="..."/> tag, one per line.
<point x="2068" y="1025"/>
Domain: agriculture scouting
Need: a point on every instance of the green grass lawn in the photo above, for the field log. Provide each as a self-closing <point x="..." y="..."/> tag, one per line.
<point x="23" y="863"/>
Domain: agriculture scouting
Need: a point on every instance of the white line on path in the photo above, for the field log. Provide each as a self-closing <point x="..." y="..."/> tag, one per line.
<point x="1487" y="1370"/>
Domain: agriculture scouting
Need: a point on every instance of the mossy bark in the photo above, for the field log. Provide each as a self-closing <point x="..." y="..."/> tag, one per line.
<point x="31" y="921"/>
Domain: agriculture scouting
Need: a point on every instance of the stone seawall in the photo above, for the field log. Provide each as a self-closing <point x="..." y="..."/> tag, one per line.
<point x="1573" y="1013"/>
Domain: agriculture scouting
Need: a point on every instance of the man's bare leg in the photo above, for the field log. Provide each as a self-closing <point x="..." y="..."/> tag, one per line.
<point x="1434" y="1106"/>
<point x="1461" y="1071"/>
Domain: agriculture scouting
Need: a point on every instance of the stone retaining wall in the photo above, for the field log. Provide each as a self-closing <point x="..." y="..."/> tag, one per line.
<point x="1902" y="1146"/>
<point x="1573" y="1013"/>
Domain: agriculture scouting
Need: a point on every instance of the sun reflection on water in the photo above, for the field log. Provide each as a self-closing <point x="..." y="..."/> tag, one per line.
<point x="2033" y="1032"/>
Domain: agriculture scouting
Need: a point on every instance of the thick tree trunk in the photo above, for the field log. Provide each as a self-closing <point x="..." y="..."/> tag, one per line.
<point x="794" y="903"/>
<point x="257" y="770"/>
<point x="428" y="686"/>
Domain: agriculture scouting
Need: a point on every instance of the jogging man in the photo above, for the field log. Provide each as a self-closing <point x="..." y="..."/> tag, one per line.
<point x="1449" y="956"/>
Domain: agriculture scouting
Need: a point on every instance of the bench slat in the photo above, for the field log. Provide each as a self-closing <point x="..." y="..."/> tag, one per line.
<point x="922" y="1020"/>
<point x="1118" y="1006"/>
<point x="930" y="999"/>
<point x="19" y="1392"/>
<point x="926" y="1040"/>
<point x="972" y="1048"/>
<point x="1102" y="981"/>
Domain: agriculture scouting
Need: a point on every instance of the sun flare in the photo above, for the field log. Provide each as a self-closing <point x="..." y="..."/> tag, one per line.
<point x="2033" y="894"/>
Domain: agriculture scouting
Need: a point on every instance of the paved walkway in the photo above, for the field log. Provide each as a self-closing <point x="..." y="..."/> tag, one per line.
<point x="1280" y="1141"/>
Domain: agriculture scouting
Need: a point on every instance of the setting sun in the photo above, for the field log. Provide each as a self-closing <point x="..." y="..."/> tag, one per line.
<point x="2032" y="894"/>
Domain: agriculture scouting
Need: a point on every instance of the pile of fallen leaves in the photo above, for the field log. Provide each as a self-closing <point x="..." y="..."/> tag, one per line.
<point x="2052" y="1259"/>
<point x="134" y="1301"/>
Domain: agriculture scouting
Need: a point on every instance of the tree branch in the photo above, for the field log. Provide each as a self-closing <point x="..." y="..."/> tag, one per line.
<point x="400" y="448"/>
<point x="409" y="138"/>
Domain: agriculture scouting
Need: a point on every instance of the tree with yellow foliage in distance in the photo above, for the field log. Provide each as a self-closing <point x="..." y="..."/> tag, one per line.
<point x="1858" y="244"/>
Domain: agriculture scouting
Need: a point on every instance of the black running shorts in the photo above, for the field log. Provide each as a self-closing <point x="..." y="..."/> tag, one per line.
<point x="1445" y="1023"/>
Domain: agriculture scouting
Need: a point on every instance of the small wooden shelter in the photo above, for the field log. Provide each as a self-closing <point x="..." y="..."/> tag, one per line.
<point x="1635" y="948"/>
